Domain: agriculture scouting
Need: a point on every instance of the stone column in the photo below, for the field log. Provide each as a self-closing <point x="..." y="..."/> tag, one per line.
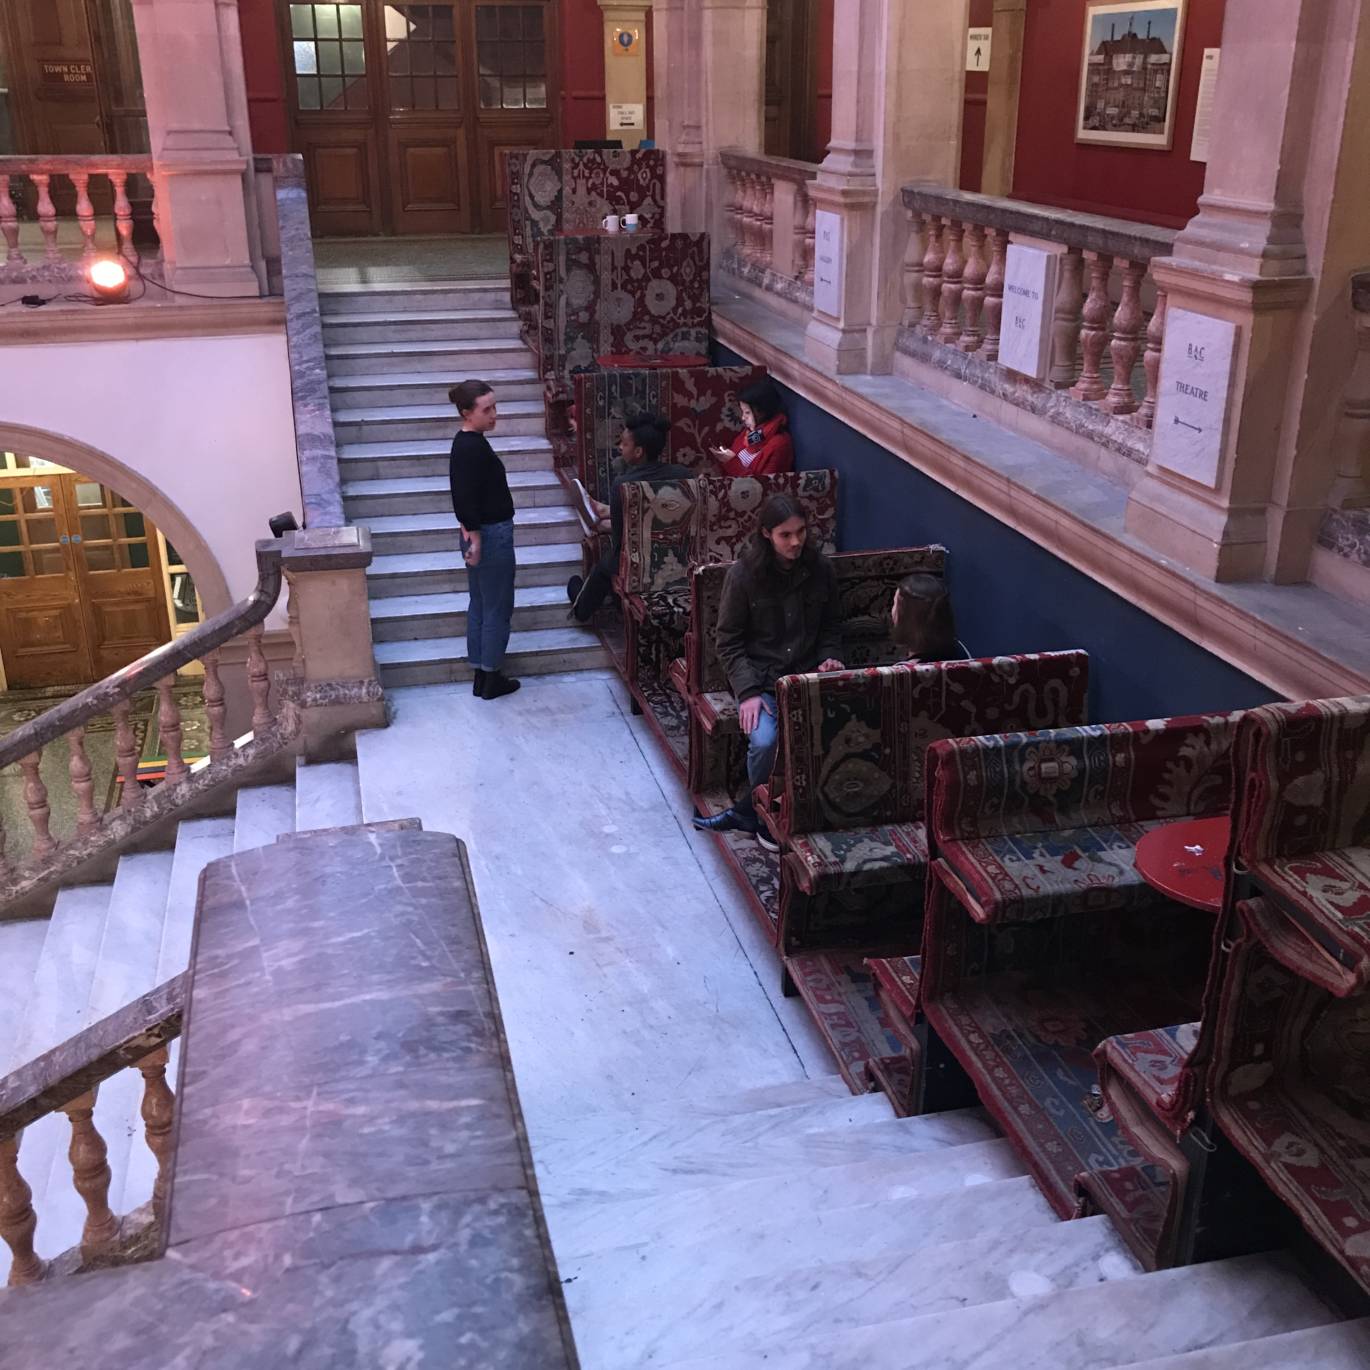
<point x="196" y="112"/>
<point x="1005" y="81"/>
<point x="330" y="615"/>
<point x="625" y="70"/>
<point x="898" y="83"/>
<point x="679" y="113"/>
<point x="1286" y="184"/>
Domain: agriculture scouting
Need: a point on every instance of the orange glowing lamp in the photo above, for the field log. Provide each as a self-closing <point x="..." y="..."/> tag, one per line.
<point x="109" y="280"/>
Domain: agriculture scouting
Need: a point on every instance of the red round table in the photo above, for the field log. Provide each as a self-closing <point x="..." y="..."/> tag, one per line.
<point x="1184" y="860"/>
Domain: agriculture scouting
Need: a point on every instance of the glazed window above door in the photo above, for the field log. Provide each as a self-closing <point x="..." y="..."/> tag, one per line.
<point x="511" y="51"/>
<point x="330" y="57"/>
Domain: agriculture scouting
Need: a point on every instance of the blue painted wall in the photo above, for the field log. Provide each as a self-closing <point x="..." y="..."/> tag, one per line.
<point x="1010" y="594"/>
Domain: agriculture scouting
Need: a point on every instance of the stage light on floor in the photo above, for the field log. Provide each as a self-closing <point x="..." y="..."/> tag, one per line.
<point x="109" y="280"/>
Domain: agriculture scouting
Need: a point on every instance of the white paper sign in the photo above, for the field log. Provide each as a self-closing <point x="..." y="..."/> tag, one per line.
<point x="1029" y="303"/>
<point x="1203" y="110"/>
<point x="1196" y="381"/>
<point x="626" y="116"/>
<point x="977" y="49"/>
<point x="827" y="263"/>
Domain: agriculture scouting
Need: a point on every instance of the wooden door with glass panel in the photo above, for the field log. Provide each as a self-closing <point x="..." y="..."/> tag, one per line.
<point x="119" y="569"/>
<point x="42" y="627"/>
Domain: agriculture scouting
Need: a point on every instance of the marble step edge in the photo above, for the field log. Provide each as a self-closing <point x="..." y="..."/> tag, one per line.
<point x="531" y="642"/>
<point x="366" y="380"/>
<point x="1333" y="1346"/>
<point x="398" y="608"/>
<point x="476" y="314"/>
<point x="422" y="413"/>
<point x="376" y="487"/>
<point x="444" y="521"/>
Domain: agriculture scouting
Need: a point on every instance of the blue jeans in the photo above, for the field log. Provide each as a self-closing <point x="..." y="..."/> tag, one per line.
<point x="492" y="597"/>
<point x="761" y="747"/>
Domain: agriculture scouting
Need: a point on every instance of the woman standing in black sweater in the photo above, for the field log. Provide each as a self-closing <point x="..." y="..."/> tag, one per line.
<point x="485" y="513"/>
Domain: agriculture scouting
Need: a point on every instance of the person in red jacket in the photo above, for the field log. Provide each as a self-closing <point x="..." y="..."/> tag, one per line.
<point x="763" y="447"/>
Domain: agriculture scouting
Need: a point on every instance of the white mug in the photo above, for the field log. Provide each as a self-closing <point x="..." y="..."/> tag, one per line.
<point x="610" y="223"/>
<point x="630" y="223"/>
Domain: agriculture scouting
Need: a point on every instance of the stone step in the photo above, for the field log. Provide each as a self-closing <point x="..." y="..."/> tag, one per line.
<point x="264" y="812"/>
<point x="430" y="387"/>
<point x="440" y="661"/>
<point x="461" y="357"/>
<point x="653" y="1159"/>
<point x="723" y="1304"/>
<point x="1119" y="1323"/>
<point x="430" y="457"/>
<point x="963" y="1188"/>
<point x="438" y="532"/>
<point x="21" y="944"/>
<point x="398" y="296"/>
<point x="404" y="618"/>
<point x="397" y="423"/>
<point x="198" y="842"/>
<point x="1337" y="1346"/>
<point x="352" y="325"/>
<point x="327" y="796"/>
<point x="424" y="573"/>
<point x="365" y="499"/>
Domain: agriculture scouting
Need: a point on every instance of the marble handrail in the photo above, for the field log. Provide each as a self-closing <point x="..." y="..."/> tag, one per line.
<point x="55" y="265"/>
<point x="770" y="216"/>
<point x="65" y="1079"/>
<point x="953" y="291"/>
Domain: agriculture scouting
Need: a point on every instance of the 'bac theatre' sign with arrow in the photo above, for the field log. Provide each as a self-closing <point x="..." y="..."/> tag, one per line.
<point x="1196" y="384"/>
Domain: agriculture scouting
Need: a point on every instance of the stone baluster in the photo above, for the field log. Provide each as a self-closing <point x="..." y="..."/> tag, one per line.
<point x="1126" y="346"/>
<point x="810" y="239"/>
<point x="85" y="212"/>
<point x="973" y="296"/>
<point x="258" y="680"/>
<point x="914" y="249"/>
<point x="158" y="1110"/>
<point x="994" y="293"/>
<point x="744" y="218"/>
<point x="753" y="219"/>
<point x="932" y="276"/>
<point x="767" y="221"/>
<point x="1145" y="417"/>
<point x="9" y="223"/>
<point x="126" y="755"/>
<point x="1065" y="325"/>
<point x="81" y="783"/>
<point x="953" y="267"/>
<point x="1351" y="440"/>
<point x="36" y="800"/>
<point x="1094" y="334"/>
<point x="169" y="722"/>
<point x="47" y="215"/>
<point x="215" y="708"/>
<point x="123" y="218"/>
<point x="17" y="1218"/>
<point x="90" y="1172"/>
<point x="801" y="218"/>
<point x="734" y="210"/>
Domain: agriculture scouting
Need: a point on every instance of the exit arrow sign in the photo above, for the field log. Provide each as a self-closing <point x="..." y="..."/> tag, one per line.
<point x="978" y="49"/>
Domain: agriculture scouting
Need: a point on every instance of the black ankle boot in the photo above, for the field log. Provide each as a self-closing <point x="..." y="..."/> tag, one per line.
<point x="498" y="684"/>
<point x="478" y="685"/>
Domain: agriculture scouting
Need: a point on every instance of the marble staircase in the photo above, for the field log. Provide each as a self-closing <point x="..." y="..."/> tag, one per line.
<point x="393" y="351"/>
<point x="102" y="947"/>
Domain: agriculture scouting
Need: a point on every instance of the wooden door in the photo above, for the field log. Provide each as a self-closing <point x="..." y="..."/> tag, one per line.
<point x="515" y="93"/>
<point x="791" y="86"/>
<point x="119" y="573"/>
<point x="42" y="628"/>
<point x="402" y="111"/>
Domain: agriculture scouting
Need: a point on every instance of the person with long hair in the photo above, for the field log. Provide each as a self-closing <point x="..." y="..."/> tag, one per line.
<point x="764" y="446"/>
<point x="922" y="622"/>
<point x="778" y="616"/>
<point x="485" y="519"/>
<point x="640" y="446"/>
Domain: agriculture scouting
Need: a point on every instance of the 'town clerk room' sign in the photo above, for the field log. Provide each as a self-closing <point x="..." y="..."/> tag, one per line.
<point x="1195" y="390"/>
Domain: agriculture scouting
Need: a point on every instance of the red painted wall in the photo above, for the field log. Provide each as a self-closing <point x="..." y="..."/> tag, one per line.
<point x="822" y="118"/>
<point x="265" y="78"/>
<point x="975" y="103"/>
<point x="1050" y="167"/>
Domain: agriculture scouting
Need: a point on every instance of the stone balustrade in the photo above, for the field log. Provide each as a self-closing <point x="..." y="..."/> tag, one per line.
<point x="770" y="220"/>
<point x="66" y="1080"/>
<point x="1108" y="322"/>
<point x="27" y="186"/>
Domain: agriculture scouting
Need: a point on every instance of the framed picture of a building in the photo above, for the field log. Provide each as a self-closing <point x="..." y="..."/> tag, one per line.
<point x="1130" y="73"/>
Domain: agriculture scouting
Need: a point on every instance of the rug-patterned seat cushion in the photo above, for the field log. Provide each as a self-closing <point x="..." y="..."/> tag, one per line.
<point x="718" y="711"/>
<point x="669" y="607"/>
<point x="1022" y="877"/>
<point x="854" y="857"/>
<point x="1151" y="1063"/>
<point x="898" y="977"/>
